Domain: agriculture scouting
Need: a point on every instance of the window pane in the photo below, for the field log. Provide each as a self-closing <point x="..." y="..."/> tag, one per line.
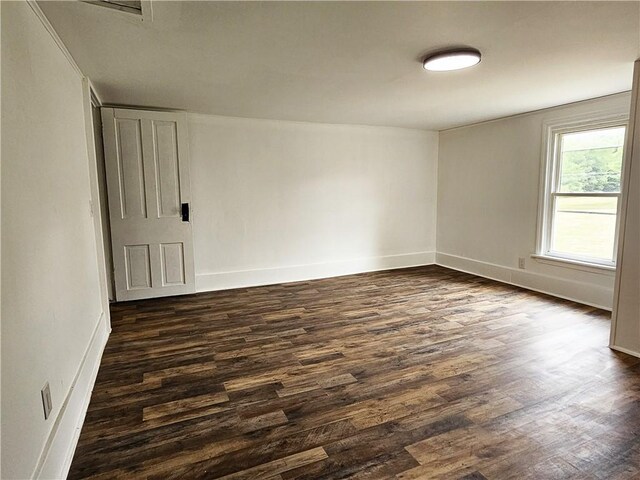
<point x="591" y="161"/>
<point x="584" y="226"/>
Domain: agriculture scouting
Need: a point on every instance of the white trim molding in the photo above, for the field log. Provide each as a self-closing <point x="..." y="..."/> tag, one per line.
<point x="585" y="293"/>
<point x="208" y="282"/>
<point x="87" y="94"/>
<point x="56" y="456"/>
<point x="624" y="318"/>
<point x="575" y="264"/>
<point x="47" y="25"/>
<point x="591" y="101"/>
<point x="581" y="292"/>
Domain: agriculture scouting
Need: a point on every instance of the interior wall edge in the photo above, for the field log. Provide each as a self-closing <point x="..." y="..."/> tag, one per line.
<point x="625" y="327"/>
<point x="214" y="118"/>
<point x="586" y="101"/>
<point x="584" y="293"/>
<point x="297" y="273"/>
<point x="58" y="451"/>
<point x="56" y="38"/>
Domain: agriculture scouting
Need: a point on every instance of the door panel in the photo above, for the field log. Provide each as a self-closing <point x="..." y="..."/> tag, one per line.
<point x="172" y="263"/>
<point x="130" y="169"/>
<point x="148" y="181"/>
<point x="138" y="265"/>
<point x="167" y="172"/>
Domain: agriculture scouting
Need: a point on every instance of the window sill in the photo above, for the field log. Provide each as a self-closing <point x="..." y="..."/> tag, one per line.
<point x="575" y="264"/>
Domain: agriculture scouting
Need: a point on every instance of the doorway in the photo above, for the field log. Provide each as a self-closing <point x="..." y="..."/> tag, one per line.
<point x="102" y="190"/>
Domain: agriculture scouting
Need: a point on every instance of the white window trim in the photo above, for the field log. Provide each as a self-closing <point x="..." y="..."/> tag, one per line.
<point x="575" y="264"/>
<point x="548" y="178"/>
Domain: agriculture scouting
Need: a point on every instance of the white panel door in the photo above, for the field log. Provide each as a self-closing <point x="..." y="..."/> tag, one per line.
<point x="147" y="165"/>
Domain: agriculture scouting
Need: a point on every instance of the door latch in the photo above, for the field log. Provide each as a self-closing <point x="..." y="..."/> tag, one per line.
<point x="185" y="212"/>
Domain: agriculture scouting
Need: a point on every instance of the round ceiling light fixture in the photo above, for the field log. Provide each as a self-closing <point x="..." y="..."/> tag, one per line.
<point x="453" y="59"/>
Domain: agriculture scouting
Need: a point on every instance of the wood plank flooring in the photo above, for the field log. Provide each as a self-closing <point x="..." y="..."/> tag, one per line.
<point x="416" y="373"/>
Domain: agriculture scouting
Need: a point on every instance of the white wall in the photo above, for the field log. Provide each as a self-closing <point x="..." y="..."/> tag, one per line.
<point x="282" y="201"/>
<point x="54" y="323"/>
<point x="488" y="191"/>
<point x="625" y="325"/>
<point x="0" y="276"/>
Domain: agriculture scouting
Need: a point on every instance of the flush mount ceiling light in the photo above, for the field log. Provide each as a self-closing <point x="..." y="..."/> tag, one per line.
<point x="453" y="59"/>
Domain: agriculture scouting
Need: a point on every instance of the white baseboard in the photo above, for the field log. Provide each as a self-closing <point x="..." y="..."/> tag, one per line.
<point x="586" y="293"/>
<point x="625" y="350"/>
<point x="581" y="292"/>
<point x="57" y="454"/>
<point x="268" y="276"/>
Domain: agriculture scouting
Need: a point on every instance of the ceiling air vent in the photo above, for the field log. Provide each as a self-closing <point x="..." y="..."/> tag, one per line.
<point x="129" y="6"/>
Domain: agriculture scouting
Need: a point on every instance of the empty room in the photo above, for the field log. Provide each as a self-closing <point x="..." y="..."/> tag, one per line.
<point x="320" y="240"/>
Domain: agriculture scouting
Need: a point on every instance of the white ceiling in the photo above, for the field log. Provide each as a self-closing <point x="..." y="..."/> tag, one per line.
<point x="353" y="62"/>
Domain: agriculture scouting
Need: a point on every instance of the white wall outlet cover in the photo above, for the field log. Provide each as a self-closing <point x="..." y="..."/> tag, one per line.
<point x="47" y="405"/>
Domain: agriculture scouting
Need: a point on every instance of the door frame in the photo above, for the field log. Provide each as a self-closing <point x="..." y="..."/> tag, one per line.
<point x="102" y="194"/>
<point x="89" y="95"/>
<point x="631" y="148"/>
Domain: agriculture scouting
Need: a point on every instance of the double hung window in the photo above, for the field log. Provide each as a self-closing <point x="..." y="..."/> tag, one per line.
<point x="582" y="191"/>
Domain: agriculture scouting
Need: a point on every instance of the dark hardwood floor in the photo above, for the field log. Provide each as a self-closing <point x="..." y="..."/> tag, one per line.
<point x="415" y="373"/>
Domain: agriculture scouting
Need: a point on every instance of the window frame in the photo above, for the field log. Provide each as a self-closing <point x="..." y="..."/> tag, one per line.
<point x="550" y="178"/>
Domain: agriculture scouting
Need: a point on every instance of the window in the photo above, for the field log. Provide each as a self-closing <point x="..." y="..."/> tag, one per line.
<point x="582" y="191"/>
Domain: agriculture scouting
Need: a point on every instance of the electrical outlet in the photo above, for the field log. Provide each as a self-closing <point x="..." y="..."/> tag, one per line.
<point x="521" y="263"/>
<point x="46" y="400"/>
